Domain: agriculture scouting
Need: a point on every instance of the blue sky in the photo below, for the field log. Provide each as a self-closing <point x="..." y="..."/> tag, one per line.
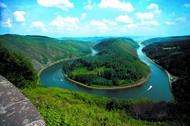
<point x="84" y="18"/>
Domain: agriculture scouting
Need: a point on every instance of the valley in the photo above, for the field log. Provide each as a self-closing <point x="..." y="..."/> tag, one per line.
<point x="94" y="63"/>
<point x="118" y="49"/>
<point x="42" y="51"/>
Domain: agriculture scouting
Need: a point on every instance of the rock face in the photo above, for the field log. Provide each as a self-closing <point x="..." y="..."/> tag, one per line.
<point x="15" y="108"/>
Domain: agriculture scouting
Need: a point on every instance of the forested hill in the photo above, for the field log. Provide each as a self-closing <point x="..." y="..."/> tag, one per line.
<point x="166" y="39"/>
<point x="115" y="64"/>
<point x="175" y="58"/>
<point x="43" y="50"/>
<point x="126" y="44"/>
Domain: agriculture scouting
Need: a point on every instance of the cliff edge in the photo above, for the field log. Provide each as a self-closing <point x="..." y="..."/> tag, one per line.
<point x="15" y="108"/>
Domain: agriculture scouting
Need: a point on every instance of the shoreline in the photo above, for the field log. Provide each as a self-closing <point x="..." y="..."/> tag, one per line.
<point x="59" y="61"/>
<point x="141" y="82"/>
<point x="170" y="76"/>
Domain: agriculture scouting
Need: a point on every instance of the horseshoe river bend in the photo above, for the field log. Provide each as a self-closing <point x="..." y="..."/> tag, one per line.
<point x="156" y="88"/>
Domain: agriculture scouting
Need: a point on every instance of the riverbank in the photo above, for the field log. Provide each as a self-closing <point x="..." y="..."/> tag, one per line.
<point x="59" y="61"/>
<point x="171" y="78"/>
<point x="141" y="82"/>
<point x="53" y="77"/>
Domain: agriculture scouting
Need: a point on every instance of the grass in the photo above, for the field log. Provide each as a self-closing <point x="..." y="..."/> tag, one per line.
<point x="85" y="71"/>
<point x="63" y="107"/>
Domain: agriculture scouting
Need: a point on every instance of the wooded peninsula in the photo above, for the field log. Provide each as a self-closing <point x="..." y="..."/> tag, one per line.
<point x="115" y="65"/>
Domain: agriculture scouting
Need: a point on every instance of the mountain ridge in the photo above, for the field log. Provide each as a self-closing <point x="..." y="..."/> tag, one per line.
<point x="43" y="50"/>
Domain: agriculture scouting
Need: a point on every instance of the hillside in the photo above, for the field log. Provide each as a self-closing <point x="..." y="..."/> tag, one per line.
<point x="42" y="50"/>
<point x="64" y="107"/>
<point x="17" y="69"/>
<point x="115" y="64"/>
<point x="175" y="58"/>
<point x="166" y="39"/>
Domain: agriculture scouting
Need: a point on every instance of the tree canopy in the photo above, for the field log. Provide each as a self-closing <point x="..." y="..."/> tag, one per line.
<point x="116" y="64"/>
<point x="17" y="69"/>
<point x="174" y="56"/>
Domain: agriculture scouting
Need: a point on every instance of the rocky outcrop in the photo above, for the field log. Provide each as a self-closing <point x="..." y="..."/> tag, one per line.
<point x="15" y="108"/>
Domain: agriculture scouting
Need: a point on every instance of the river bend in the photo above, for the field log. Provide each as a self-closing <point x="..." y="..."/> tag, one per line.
<point x="156" y="88"/>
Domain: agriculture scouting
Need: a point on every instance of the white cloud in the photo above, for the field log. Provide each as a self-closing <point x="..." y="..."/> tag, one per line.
<point x="3" y="5"/>
<point x="69" y="23"/>
<point x="154" y="7"/>
<point x="99" y="25"/>
<point x="145" y="16"/>
<point x="19" y="16"/>
<point x="186" y="5"/>
<point x="109" y="22"/>
<point x="124" y="19"/>
<point x="150" y="23"/>
<point x="157" y="11"/>
<point x="8" y="23"/>
<point x="131" y="25"/>
<point x="62" y="4"/>
<point x="181" y="19"/>
<point x="116" y="4"/>
<point x="88" y="6"/>
<point x="83" y="15"/>
<point x="169" y="23"/>
<point x="38" y="24"/>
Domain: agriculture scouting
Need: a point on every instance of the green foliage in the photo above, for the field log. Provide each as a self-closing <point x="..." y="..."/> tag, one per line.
<point x="43" y="50"/>
<point x="63" y="107"/>
<point x="116" y="64"/>
<point x="17" y="69"/>
<point x="166" y="39"/>
<point x="174" y="57"/>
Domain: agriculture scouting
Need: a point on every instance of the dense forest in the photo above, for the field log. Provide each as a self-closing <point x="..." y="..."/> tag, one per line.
<point x="43" y="51"/>
<point x="17" y="69"/>
<point x="115" y="64"/>
<point x="65" y="107"/>
<point x="165" y="39"/>
<point x="175" y="58"/>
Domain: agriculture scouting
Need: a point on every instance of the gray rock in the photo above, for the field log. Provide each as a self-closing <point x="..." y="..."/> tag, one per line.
<point x="15" y="108"/>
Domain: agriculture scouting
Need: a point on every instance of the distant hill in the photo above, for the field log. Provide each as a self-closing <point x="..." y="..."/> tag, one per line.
<point x="99" y="39"/>
<point x="84" y="39"/>
<point x="42" y="50"/>
<point x="115" y="64"/>
<point x="166" y="39"/>
<point x="127" y="44"/>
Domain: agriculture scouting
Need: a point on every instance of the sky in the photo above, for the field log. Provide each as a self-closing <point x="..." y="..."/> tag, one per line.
<point x="92" y="18"/>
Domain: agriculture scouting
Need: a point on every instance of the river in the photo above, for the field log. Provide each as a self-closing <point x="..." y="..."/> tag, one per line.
<point x="156" y="88"/>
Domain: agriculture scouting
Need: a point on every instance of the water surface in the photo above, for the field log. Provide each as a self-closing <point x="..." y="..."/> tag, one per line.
<point x="156" y="88"/>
